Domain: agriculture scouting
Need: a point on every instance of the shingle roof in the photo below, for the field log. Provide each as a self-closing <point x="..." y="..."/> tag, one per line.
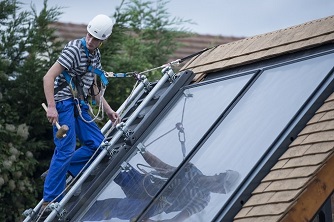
<point x="264" y="46"/>
<point x="303" y="177"/>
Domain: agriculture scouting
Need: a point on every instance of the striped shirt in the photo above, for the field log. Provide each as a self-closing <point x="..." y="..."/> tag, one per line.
<point x="74" y="59"/>
<point x="185" y="193"/>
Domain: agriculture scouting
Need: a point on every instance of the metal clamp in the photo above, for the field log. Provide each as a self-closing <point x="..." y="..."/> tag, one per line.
<point x="125" y="167"/>
<point x="141" y="148"/>
<point x="146" y="83"/>
<point x="126" y="133"/>
<point x="169" y="71"/>
<point x="28" y="212"/>
<point x="58" y="208"/>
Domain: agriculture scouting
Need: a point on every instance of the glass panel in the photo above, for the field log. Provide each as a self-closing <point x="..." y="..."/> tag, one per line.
<point x="245" y="135"/>
<point x="178" y="132"/>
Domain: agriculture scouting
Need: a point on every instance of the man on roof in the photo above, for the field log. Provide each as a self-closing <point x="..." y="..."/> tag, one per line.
<point x="75" y="70"/>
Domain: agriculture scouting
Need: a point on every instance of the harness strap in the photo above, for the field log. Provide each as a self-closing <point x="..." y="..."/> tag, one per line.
<point x="77" y="82"/>
<point x="96" y="71"/>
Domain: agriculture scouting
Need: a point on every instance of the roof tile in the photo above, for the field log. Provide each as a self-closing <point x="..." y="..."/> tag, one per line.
<point x="285" y="196"/>
<point x="319" y="137"/>
<point x="266" y="210"/>
<point x="290" y="173"/>
<point x="307" y="160"/>
<point x="316" y="117"/>
<point x="262" y="187"/>
<point x="298" y="140"/>
<point x="327" y="116"/>
<point x="328" y="106"/>
<point x="271" y="218"/>
<point x="295" y="151"/>
<point x="318" y="127"/>
<point x="322" y="147"/>
<point x="289" y="184"/>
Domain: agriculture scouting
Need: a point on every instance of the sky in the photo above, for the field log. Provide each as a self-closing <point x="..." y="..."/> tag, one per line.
<point x="237" y="18"/>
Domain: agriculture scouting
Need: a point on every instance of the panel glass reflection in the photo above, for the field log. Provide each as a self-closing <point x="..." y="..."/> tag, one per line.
<point x="245" y="135"/>
<point x="198" y="190"/>
<point x="166" y="146"/>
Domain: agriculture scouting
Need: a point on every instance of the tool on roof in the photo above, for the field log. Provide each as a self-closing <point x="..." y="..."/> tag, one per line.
<point x="62" y="130"/>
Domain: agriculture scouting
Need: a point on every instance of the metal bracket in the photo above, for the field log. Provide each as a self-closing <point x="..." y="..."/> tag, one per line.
<point x="125" y="167"/>
<point x="29" y="212"/>
<point x="146" y="83"/>
<point x="187" y="94"/>
<point x="58" y="208"/>
<point x="169" y="71"/>
<point x="126" y="133"/>
<point x="141" y="148"/>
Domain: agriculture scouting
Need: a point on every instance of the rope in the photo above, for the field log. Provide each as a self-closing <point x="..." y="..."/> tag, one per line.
<point x="179" y="126"/>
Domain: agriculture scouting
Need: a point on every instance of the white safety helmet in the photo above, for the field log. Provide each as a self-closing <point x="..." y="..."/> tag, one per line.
<point x="100" y="27"/>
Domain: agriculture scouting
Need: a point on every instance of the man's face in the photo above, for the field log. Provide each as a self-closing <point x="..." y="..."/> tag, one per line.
<point x="92" y="42"/>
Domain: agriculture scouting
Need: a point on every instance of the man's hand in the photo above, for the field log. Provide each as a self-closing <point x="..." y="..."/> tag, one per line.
<point x="114" y="117"/>
<point x="52" y="114"/>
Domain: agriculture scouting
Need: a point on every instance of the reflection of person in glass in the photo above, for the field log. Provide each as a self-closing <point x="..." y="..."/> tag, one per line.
<point x="188" y="193"/>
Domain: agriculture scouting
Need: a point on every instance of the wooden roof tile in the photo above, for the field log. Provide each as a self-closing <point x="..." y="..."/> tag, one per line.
<point x="298" y="151"/>
<point x="262" y="187"/>
<point x="280" y="164"/>
<point x="319" y="137"/>
<point x="323" y="147"/>
<point x="288" y="184"/>
<point x="267" y="210"/>
<point x="285" y="196"/>
<point x="307" y="160"/>
<point x="317" y="117"/>
<point x="318" y="127"/>
<point x="290" y="173"/>
<point x="328" y="106"/>
<point x="272" y="218"/>
<point x="295" y="151"/>
<point x="327" y="116"/>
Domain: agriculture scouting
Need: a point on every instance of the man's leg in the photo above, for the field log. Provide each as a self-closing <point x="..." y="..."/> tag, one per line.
<point x="90" y="136"/>
<point x="55" y="180"/>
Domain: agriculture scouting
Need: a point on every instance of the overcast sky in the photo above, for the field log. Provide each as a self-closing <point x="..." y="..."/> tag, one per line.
<point x="239" y="18"/>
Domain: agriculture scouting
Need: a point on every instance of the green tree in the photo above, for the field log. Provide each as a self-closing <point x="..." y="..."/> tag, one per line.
<point x="143" y="38"/>
<point x="27" y="47"/>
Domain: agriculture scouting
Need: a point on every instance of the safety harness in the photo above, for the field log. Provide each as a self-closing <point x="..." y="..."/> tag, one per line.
<point x="77" y="84"/>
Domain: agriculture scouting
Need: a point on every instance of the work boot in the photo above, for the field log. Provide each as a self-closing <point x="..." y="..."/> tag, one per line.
<point x="68" y="176"/>
<point x="44" y="212"/>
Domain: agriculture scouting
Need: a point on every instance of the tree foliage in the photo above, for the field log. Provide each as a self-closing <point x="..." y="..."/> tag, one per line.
<point x="27" y="47"/>
<point x="143" y="37"/>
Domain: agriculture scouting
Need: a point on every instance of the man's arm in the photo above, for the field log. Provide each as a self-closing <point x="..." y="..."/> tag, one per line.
<point x="48" y="85"/>
<point x="155" y="162"/>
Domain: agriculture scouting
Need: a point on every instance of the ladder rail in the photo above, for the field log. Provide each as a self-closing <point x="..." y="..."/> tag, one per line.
<point x="104" y="130"/>
<point x="168" y="73"/>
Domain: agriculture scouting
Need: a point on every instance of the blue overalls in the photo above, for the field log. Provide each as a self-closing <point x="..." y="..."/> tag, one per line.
<point x="66" y="158"/>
